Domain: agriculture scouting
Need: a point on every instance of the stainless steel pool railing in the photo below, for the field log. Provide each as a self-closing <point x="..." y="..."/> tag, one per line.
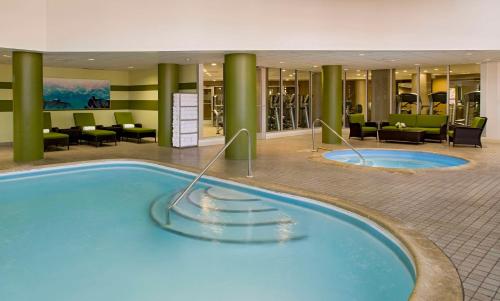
<point x="170" y="205"/>
<point x="314" y="149"/>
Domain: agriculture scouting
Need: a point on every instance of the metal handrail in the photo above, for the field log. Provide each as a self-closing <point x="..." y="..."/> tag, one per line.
<point x="170" y="205"/>
<point x="363" y="161"/>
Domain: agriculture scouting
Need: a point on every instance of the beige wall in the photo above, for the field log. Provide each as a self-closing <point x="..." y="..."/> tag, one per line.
<point x="193" y="25"/>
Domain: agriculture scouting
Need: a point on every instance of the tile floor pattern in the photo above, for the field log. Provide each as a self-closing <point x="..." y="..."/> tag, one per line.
<point x="457" y="209"/>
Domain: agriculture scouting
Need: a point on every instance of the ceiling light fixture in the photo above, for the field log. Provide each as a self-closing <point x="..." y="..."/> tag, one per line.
<point x="282" y="62"/>
<point x="425" y="71"/>
<point x="188" y="59"/>
<point x="358" y="74"/>
<point x="6" y="55"/>
<point x="283" y="70"/>
<point x="214" y="64"/>
<point x="91" y="59"/>
<point x="417" y="64"/>
<point x="405" y="71"/>
<point x="346" y="69"/>
<point x="397" y="72"/>
<point x="468" y="53"/>
<point x="361" y="54"/>
<point x="131" y="67"/>
<point x="315" y="66"/>
<point x="451" y="71"/>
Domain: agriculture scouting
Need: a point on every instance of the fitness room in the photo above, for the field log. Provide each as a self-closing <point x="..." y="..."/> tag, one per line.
<point x="417" y="90"/>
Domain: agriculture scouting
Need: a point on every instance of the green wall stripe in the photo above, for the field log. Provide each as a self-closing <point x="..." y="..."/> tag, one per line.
<point x="148" y="105"/>
<point x="187" y="86"/>
<point x="5" y="85"/>
<point x="5" y="105"/>
<point x="119" y="104"/>
<point x="181" y="86"/>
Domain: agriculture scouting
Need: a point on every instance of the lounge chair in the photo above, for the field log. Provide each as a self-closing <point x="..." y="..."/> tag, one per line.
<point x="361" y="129"/>
<point x="91" y="132"/>
<point x="130" y="129"/>
<point x="51" y="136"/>
<point x="468" y="135"/>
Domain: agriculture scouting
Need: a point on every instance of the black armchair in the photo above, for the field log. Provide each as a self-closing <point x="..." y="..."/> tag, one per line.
<point x="468" y="135"/>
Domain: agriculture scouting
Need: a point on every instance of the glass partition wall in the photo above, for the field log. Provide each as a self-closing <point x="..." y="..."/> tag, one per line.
<point x="289" y="100"/>
<point x="213" y="100"/>
<point x="465" y="93"/>
<point x="430" y="90"/>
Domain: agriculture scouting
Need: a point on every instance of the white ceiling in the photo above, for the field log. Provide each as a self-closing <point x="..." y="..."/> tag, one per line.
<point x="304" y="60"/>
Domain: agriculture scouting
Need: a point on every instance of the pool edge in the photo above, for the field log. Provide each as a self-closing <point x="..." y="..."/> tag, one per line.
<point x="437" y="277"/>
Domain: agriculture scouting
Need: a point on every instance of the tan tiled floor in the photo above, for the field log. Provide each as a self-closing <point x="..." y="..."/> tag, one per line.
<point x="457" y="209"/>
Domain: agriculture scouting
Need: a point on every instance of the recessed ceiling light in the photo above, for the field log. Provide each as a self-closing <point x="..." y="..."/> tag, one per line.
<point x="451" y="71"/>
<point x="214" y="64"/>
<point x="283" y="70"/>
<point x="487" y="60"/>
<point x="290" y="74"/>
<point x="358" y="74"/>
<point x="213" y="80"/>
<point x="405" y="70"/>
<point x="188" y="59"/>
<point x="436" y="69"/>
<point x="91" y="59"/>
<point x="397" y="72"/>
<point x="204" y="70"/>
<point x="315" y="66"/>
<point x="479" y="63"/>
<point x="282" y="62"/>
<point x="393" y="60"/>
<point x="468" y="53"/>
<point x="346" y="69"/>
<point x="425" y="71"/>
<point x="361" y="54"/>
<point x="417" y="64"/>
<point x="131" y="67"/>
<point x="6" y="55"/>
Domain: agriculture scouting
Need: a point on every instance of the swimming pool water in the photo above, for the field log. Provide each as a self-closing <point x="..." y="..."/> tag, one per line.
<point x="396" y="158"/>
<point x="84" y="233"/>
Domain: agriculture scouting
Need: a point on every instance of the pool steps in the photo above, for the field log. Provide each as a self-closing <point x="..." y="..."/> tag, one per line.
<point x="212" y="214"/>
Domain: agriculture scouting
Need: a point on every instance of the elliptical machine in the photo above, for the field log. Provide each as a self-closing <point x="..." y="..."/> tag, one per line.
<point x="289" y="116"/>
<point x="273" y="113"/>
<point x="305" y="112"/>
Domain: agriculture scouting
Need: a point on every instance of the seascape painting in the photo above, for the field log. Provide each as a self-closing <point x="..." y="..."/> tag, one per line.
<point x="75" y="94"/>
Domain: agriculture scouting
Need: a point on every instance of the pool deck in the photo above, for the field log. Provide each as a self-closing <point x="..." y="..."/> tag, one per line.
<point x="458" y="209"/>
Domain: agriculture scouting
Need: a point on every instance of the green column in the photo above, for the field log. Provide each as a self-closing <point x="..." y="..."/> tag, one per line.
<point x="331" y="103"/>
<point x="168" y="78"/>
<point x="27" y="90"/>
<point x="240" y="102"/>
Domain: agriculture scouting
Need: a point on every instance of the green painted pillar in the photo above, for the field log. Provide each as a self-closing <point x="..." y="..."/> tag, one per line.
<point x="240" y="102"/>
<point x="331" y="103"/>
<point x="27" y="90"/>
<point x="168" y="80"/>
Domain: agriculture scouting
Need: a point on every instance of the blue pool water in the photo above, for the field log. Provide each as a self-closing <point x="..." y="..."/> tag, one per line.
<point x="396" y="158"/>
<point x="85" y="232"/>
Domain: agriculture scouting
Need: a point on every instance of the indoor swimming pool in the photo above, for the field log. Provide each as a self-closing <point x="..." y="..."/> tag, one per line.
<point x="97" y="231"/>
<point x="400" y="159"/>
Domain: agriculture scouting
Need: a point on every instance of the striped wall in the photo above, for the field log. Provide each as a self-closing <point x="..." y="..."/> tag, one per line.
<point x="135" y="91"/>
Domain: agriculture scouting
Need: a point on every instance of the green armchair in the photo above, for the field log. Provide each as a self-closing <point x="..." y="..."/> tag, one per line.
<point x="91" y="132"/>
<point x="133" y="130"/>
<point x="51" y="135"/>
<point x="359" y="128"/>
<point x="468" y="135"/>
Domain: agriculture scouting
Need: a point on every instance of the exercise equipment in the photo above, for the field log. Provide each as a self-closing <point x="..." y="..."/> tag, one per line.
<point x="305" y="112"/>
<point x="436" y="99"/>
<point x="404" y="102"/>
<point x="273" y="113"/>
<point x="289" y="109"/>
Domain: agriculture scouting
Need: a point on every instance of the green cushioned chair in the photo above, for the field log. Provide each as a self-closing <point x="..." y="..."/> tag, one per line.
<point x="137" y="132"/>
<point x="468" y="135"/>
<point x="53" y="137"/>
<point x="359" y="128"/>
<point x="97" y="136"/>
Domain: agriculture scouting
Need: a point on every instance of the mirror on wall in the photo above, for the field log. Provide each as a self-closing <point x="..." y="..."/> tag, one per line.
<point x="355" y="91"/>
<point x="289" y="99"/>
<point x="303" y="111"/>
<point x="213" y="100"/>
<point x="406" y="91"/>
<point x="273" y="99"/>
<point x="465" y="81"/>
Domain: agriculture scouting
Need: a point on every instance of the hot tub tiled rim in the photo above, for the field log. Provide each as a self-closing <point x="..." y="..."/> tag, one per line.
<point x="470" y="162"/>
<point x="437" y="277"/>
